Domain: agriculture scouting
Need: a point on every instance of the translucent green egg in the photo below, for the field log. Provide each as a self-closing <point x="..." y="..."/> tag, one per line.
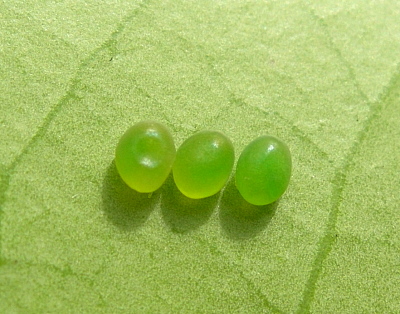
<point x="203" y="164"/>
<point x="144" y="156"/>
<point x="263" y="170"/>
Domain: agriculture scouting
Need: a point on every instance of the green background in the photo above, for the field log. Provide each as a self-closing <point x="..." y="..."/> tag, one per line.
<point x="322" y="75"/>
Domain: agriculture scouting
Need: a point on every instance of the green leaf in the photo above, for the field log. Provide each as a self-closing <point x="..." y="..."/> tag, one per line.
<point x="323" y="76"/>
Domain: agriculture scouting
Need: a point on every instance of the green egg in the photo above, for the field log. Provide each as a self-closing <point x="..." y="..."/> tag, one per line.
<point x="144" y="156"/>
<point x="203" y="164"/>
<point x="263" y="170"/>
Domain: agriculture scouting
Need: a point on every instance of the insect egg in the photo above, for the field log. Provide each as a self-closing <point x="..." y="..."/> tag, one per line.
<point x="203" y="164"/>
<point x="144" y="156"/>
<point x="263" y="170"/>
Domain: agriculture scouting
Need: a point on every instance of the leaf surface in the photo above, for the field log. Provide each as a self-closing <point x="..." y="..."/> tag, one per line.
<point x="323" y="76"/>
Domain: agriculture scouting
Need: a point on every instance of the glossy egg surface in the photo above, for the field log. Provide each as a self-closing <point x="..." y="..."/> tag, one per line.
<point x="203" y="164"/>
<point x="263" y="170"/>
<point x="144" y="156"/>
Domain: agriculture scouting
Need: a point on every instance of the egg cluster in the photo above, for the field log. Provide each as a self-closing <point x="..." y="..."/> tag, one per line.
<point x="202" y="165"/>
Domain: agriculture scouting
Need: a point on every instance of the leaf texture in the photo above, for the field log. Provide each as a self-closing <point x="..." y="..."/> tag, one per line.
<point x="324" y="76"/>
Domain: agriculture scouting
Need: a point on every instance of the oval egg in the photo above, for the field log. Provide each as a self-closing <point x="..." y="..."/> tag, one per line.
<point x="203" y="164"/>
<point x="263" y="170"/>
<point x="144" y="156"/>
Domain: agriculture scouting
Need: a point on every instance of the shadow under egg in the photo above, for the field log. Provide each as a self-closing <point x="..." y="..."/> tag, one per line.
<point x="183" y="214"/>
<point x="239" y="219"/>
<point x="123" y="206"/>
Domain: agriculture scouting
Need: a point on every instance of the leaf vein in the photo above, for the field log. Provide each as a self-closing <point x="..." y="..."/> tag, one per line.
<point x="6" y="175"/>
<point x="327" y="241"/>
